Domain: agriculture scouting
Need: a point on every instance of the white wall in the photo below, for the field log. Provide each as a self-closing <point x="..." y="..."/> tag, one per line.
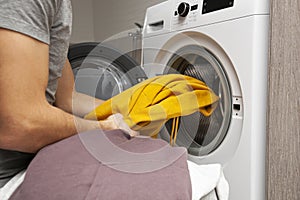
<point x="110" y="21"/>
<point x="115" y="16"/>
<point x="100" y="20"/>
<point x="83" y="22"/>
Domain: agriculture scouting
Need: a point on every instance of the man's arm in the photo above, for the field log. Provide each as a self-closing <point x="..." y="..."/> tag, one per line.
<point x="27" y="121"/>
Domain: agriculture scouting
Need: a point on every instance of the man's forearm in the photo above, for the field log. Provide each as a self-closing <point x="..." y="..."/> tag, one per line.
<point x="68" y="99"/>
<point x="83" y="104"/>
<point x="40" y="126"/>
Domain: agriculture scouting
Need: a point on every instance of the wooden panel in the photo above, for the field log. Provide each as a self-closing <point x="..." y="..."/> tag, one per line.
<point x="284" y="102"/>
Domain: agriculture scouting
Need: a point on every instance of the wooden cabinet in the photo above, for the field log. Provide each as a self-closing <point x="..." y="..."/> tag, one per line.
<point x="283" y="157"/>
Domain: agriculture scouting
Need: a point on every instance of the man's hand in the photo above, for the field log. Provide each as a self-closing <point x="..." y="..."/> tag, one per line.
<point x="116" y="121"/>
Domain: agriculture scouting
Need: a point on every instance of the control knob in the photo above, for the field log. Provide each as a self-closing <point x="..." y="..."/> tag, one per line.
<point x="183" y="9"/>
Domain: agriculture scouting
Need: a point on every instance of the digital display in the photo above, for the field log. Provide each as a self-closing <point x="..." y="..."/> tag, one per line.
<point x="213" y="5"/>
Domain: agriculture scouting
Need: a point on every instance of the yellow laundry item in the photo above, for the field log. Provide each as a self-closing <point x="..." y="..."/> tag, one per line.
<point x="149" y="104"/>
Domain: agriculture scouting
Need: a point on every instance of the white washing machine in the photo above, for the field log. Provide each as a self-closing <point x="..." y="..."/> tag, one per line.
<point x="225" y="44"/>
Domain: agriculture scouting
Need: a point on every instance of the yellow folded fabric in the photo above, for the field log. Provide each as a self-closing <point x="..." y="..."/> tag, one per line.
<point x="149" y="104"/>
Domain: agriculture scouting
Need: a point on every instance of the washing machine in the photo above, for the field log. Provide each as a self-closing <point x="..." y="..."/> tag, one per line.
<point x="102" y="71"/>
<point x="224" y="43"/>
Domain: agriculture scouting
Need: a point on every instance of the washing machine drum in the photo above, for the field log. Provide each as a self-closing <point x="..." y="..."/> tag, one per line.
<point x="101" y="71"/>
<point x="199" y="134"/>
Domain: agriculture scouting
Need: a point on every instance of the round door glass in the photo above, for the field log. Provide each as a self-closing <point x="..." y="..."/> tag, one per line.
<point x="199" y="134"/>
<point x="99" y="78"/>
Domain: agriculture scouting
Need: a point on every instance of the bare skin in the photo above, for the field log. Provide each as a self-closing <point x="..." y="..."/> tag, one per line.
<point x="27" y="121"/>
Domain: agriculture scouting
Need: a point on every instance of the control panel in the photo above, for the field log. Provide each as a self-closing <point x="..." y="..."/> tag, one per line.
<point x="187" y="11"/>
<point x="180" y="15"/>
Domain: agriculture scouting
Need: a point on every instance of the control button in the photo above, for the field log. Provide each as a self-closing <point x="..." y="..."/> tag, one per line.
<point x="183" y="9"/>
<point x="194" y="7"/>
<point x="237" y="107"/>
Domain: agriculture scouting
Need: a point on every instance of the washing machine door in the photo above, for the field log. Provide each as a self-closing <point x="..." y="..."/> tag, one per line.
<point x="199" y="134"/>
<point x="101" y="71"/>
